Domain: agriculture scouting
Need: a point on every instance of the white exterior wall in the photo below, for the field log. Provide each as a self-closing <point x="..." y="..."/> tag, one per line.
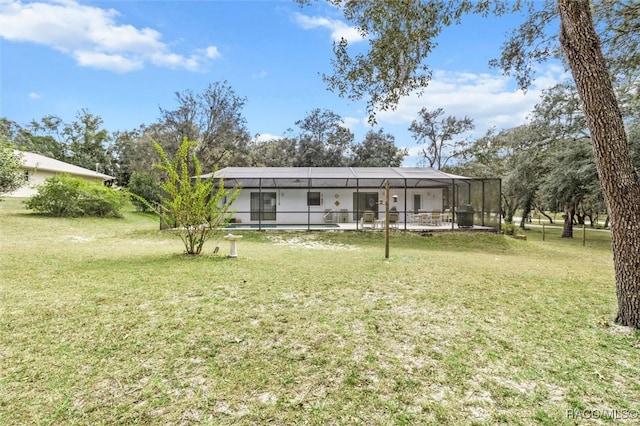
<point x="291" y="203"/>
<point x="37" y="178"/>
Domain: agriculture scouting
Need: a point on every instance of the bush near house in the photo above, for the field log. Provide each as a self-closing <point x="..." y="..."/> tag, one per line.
<point x="11" y="175"/>
<point x="146" y="190"/>
<point x="66" y="196"/>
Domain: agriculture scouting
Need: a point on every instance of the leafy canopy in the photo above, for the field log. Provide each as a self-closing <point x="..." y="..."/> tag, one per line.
<point x="68" y="196"/>
<point x="11" y="177"/>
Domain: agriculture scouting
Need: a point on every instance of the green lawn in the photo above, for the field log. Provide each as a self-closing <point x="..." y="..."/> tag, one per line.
<point x="104" y="322"/>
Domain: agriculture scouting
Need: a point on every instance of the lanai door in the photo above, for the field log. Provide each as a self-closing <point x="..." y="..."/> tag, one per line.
<point x="364" y="201"/>
<point x="263" y="206"/>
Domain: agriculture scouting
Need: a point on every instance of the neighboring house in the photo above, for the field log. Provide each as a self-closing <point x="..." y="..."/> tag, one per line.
<point x="37" y="168"/>
<point x="340" y="195"/>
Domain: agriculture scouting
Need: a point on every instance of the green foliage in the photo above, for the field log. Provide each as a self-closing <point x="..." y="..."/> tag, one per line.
<point x="11" y="176"/>
<point x="440" y="136"/>
<point x="323" y="140"/>
<point x="66" y="196"/>
<point x="195" y="207"/>
<point x="378" y="149"/>
<point x="510" y="228"/>
<point x="146" y="188"/>
<point x="212" y="117"/>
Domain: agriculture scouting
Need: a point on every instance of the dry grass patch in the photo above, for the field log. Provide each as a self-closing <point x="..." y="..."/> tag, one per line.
<point x="104" y="322"/>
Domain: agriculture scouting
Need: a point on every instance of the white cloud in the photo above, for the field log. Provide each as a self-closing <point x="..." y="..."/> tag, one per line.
<point x="212" y="52"/>
<point x="259" y="75"/>
<point x="339" y="29"/>
<point x="107" y="61"/>
<point x="266" y="137"/>
<point x="92" y="36"/>
<point x="351" y="122"/>
<point x="489" y="99"/>
<point x="34" y="95"/>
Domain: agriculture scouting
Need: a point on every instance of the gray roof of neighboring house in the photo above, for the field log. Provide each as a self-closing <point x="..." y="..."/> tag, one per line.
<point x="33" y="161"/>
<point x="335" y="176"/>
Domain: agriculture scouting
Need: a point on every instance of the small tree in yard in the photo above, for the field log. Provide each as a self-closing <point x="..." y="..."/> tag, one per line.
<point x="193" y="206"/>
<point x="11" y="175"/>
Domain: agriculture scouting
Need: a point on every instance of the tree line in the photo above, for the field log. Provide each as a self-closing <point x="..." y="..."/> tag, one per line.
<point x="214" y="119"/>
<point x="546" y="165"/>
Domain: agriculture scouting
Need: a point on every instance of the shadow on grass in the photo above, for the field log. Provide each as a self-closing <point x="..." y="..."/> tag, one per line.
<point x="441" y="241"/>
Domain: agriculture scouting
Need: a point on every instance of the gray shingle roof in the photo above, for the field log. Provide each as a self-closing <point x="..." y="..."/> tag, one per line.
<point x="335" y="176"/>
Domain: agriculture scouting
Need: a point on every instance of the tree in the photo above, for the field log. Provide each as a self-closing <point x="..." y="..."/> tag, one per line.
<point x="571" y="179"/>
<point x="618" y="178"/>
<point x="83" y="142"/>
<point x="570" y="169"/>
<point x="24" y="140"/>
<point x="11" y="176"/>
<point x="323" y="140"/>
<point x="87" y="142"/>
<point x="146" y="187"/>
<point x="378" y="149"/>
<point x="401" y="34"/>
<point x="517" y="156"/>
<point x="196" y="208"/>
<point x="438" y="136"/>
<point x="45" y="137"/>
<point x="214" y="120"/>
<point x="273" y="153"/>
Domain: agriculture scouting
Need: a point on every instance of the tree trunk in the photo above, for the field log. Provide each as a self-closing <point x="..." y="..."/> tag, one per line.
<point x="510" y="209"/>
<point x="567" y="228"/>
<point x="618" y="178"/>
<point x="526" y="211"/>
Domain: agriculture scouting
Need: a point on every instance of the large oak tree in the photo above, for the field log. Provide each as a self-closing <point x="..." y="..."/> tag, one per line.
<point x="401" y="34"/>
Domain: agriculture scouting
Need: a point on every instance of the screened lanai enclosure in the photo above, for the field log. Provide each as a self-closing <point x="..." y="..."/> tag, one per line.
<point x="354" y="198"/>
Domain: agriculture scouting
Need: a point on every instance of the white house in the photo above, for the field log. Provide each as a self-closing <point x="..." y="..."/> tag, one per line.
<point x="37" y="168"/>
<point x="274" y="196"/>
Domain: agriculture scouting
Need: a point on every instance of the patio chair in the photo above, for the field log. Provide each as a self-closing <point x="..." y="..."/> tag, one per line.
<point x="424" y="217"/>
<point x="328" y="216"/>
<point x="446" y="216"/>
<point x="394" y="218"/>
<point x="436" y="217"/>
<point x="368" y="219"/>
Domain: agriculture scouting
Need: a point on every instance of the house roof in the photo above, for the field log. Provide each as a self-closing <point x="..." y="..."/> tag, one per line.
<point x="33" y="161"/>
<point x="335" y="176"/>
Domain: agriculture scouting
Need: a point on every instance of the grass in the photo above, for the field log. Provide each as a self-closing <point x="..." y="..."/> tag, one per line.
<point x="104" y="322"/>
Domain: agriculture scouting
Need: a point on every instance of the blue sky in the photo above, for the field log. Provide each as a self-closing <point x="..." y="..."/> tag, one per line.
<point x="122" y="60"/>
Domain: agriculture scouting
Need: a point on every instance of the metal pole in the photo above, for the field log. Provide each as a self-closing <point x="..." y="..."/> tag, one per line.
<point x="405" y="204"/>
<point x="584" y="234"/>
<point x="386" y="219"/>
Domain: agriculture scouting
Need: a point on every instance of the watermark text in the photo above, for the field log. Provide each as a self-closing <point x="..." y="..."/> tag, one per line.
<point x="602" y="413"/>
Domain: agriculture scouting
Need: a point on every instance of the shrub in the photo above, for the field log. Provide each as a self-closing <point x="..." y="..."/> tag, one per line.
<point x="510" y="228"/>
<point x="66" y="196"/>
<point x="145" y="189"/>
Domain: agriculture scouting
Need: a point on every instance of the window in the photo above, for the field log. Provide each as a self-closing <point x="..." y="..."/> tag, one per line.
<point x="26" y="175"/>
<point x="314" y="198"/>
